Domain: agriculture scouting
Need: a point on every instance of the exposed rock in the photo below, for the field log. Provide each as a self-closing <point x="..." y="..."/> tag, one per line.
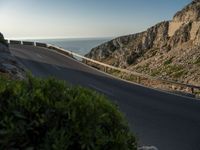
<point x="197" y="38"/>
<point x="181" y="36"/>
<point x="8" y="63"/>
<point x="170" y="49"/>
<point x="190" y="13"/>
<point x="125" y="50"/>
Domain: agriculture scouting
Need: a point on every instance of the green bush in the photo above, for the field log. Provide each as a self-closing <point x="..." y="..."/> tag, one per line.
<point x="39" y="114"/>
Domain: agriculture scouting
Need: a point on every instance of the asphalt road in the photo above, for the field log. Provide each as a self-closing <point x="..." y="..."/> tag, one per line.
<point x="167" y="121"/>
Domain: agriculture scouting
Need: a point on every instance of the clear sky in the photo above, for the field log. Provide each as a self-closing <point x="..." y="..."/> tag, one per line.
<point x="82" y="18"/>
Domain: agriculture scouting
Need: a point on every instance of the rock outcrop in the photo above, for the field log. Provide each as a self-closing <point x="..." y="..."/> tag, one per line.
<point x="170" y="49"/>
<point x="9" y="66"/>
<point x="190" y="13"/>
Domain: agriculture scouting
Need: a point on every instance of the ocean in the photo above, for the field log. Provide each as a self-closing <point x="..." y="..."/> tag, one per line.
<point x="81" y="46"/>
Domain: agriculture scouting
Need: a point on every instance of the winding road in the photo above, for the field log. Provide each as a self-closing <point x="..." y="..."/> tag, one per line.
<point x="164" y="120"/>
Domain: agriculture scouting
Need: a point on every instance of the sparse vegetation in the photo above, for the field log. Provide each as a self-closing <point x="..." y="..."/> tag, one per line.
<point x="132" y="78"/>
<point x="51" y="115"/>
<point x="197" y="93"/>
<point x="197" y="61"/>
<point x="113" y="72"/>
<point x="152" y="52"/>
<point x="171" y="69"/>
<point x="2" y="40"/>
<point x="169" y="61"/>
<point x="179" y="74"/>
<point x="174" y="71"/>
<point x="155" y="72"/>
<point x="144" y="68"/>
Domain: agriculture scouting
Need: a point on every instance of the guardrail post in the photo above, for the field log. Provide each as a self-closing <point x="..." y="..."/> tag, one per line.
<point x="138" y="79"/>
<point x="105" y="69"/>
<point x="192" y="90"/>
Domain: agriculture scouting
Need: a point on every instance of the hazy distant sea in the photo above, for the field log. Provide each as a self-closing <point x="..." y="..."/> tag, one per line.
<point x="79" y="45"/>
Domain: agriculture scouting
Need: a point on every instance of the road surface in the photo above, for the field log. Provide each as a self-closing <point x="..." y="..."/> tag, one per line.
<point x="167" y="121"/>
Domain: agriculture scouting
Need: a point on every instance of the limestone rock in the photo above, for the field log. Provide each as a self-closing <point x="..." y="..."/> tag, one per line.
<point x="190" y="13"/>
<point x="170" y="49"/>
<point x="125" y="50"/>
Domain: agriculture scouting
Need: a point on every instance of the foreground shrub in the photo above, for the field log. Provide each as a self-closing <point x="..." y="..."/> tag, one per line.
<point x="51" y="115"/>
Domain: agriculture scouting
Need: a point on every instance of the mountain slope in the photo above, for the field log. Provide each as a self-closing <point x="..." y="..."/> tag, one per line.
<point x="170" y="49"/>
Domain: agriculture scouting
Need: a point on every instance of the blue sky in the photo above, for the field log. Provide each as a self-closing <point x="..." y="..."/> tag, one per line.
<point x="82" y="18"/>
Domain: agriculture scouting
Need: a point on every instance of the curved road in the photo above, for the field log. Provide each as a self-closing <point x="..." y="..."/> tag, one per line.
<point x="167" y="121"/>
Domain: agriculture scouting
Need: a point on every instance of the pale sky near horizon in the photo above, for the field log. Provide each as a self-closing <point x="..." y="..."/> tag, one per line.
<point x="82" y="18"/>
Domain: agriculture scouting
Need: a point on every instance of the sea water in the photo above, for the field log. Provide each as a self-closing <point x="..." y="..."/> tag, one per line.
<point x="81" y="46"/>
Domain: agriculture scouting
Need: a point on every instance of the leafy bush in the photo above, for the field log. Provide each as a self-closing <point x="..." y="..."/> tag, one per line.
<point x="51" y="115"/>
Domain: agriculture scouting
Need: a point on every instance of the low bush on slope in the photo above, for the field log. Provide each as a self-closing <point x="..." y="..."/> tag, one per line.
<point x="2" y="40"/>
<point x="39" y="114"/>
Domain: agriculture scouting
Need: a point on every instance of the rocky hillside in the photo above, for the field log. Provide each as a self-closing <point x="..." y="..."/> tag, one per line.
<point x="170" y="49"/>
<point x="9" y="66"/>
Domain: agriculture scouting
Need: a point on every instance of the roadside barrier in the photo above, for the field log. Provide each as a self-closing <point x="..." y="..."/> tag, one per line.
<point x="135" y="77"/>
<point x="40" y="44"/>
<point x="139" y="76"/>
<point x="28" y="43"/>
<point x="14" y="42"/>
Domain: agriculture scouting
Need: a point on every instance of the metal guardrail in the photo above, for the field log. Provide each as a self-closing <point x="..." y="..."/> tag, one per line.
<point x="14" y="42"/>
<point x="106" y="66"/>
<point x="128" y="71"/>
<point x="28" y="43"/>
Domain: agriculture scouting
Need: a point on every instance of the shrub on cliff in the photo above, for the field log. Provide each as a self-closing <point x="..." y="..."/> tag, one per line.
<point x="51" y="115"/>
<point x="2" y="40"/>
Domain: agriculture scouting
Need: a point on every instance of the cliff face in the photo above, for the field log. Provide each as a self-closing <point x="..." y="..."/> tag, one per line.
<point x="9" y="66"/>
<point x="124" y="51"/>
<point x="169" y="49"/>
<point x="190" y="13"/>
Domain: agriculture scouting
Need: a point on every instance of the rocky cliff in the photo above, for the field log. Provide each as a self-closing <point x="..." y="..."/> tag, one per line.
<point x="190" y="13"/>
<point x="170" y="49"/>
<point x="9" y="66"/>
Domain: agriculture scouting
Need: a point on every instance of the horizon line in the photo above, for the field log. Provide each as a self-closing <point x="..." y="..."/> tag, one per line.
<point x="57" y="37"/>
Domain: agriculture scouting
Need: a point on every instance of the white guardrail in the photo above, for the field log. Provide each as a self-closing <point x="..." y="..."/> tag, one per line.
<point x="106" y="66"/>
